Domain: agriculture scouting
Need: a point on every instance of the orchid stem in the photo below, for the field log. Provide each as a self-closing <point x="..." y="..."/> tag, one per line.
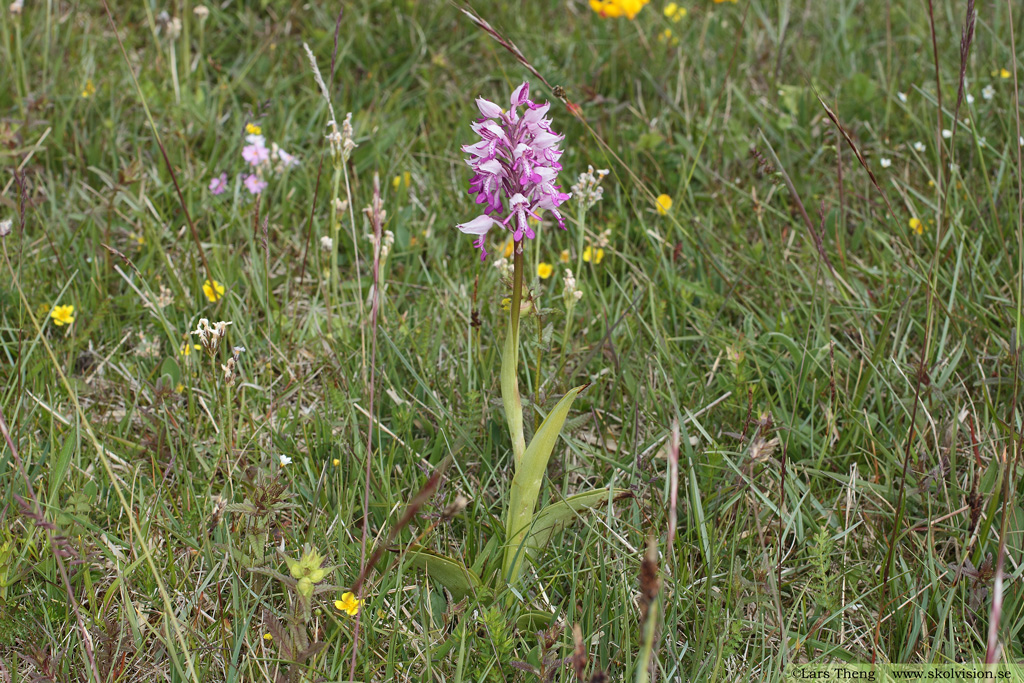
<point x="510" y="363"/>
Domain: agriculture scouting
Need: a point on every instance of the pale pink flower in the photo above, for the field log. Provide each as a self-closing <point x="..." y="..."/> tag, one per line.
<point x="256" y="153"/>
<point x="255" y="184"/>
<point x="219" y="184"/>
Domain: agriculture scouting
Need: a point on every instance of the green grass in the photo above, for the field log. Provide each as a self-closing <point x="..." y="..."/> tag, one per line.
<point x="161" y="485"/>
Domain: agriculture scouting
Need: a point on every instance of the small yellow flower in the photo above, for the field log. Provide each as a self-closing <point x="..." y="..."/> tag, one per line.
<point x="917" y="226"/>
<point x="544" y="270"/>
<point x="674" y="12"/>
<point x="186" y="348"/>
<point x="509" y="246"/>
<point x="253" y="129"/>
<point x="349" y="604"/>
<point x="564" y="256"/>
<point x="664" y="203"/>
<point x="596" y="254"/>
<point x="139" y="239"/>
<point x="213" y="290"/>
<point x="89" y="90"/>
<point x="668" y="37"/>
<point x="719" y="2"/>
<point x="180" y="388"/>
<point x="1003" y="73"/>
<point x="397" y="181"/>
<point x="618" y="8"/>
<point x="63" y="315"/>
<point x="268" y="637"/>
<point x="336" y="462"/>
<point x="506" y="304"/>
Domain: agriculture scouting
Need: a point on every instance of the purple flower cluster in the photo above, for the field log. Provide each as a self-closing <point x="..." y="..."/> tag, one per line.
<point x="516" y="161"/>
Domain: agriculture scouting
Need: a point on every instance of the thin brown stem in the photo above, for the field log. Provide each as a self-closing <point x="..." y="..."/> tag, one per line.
<point x="376" y="219"/>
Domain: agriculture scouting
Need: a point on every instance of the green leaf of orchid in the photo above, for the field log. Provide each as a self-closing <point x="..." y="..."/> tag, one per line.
<point x="561" y="514"/>
<point x="449" y="572"/>
<point x="526" y="483"/>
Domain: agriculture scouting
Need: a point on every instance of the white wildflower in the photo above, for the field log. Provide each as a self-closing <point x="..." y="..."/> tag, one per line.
<point x="988" y="92"/>
<point x="571" y="292"/>
<point x="588" y="190"/>
<point x="886" y="163"/>
<point x="919" y="146"/>
<point x="902" y="97"/>
<point x="947" y="133"/>
<point x="5" y="227"/>
<point x="210" y="335"/>
<point x="326" y="243"/>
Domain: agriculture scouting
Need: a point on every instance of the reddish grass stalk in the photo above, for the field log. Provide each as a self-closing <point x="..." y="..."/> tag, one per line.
<point x="374" y="212"/>
<point x="312" y="211"/>
<point x="163" y="151"/>
<point x="938" y="130"/>
<point x="673" y="487"/>
<point x="993" y="651"/>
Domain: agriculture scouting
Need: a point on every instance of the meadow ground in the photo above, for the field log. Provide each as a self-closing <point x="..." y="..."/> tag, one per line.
<point x="829" y="323"/>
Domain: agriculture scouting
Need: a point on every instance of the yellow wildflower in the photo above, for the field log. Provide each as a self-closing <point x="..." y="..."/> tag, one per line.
<point x="917" y="226"/>
<point x="89" y="90"/>
<point x="349" y="604"/>
<point x="268" y="637"/>
<point x="506" y="304"/>
<point x="618" y="8"/>
<point x="186" y="348"/>
<point x="674" y="12"/>
<point x="213" y="290"/>
<point x="508" y="248"/>
<point x="664" y="203"/>
<point x="397" y="181"/>
<point x="336" y="462"/>
<point x="544" y="270"/>
<point x="1003" y="73"/>
<point x="596" y="254"/>
<point x="564" y="256"/>
<point x="719" y="2"/>
<point x="668" y="37"/>
<point x="253" y="129"/>
<point x="63" y="315"/>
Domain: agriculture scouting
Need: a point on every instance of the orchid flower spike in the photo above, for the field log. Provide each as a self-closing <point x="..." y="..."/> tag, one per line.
<point x="515" y="165"/>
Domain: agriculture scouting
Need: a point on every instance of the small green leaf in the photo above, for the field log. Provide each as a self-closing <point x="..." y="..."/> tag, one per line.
<point x="451" y="573"/>
<point x="557" y="516"/>
<point x="531" y="622"/>
<point x="170" y="367"/>
<point x="59" y="469"/>
<point x="526" y="483"/>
